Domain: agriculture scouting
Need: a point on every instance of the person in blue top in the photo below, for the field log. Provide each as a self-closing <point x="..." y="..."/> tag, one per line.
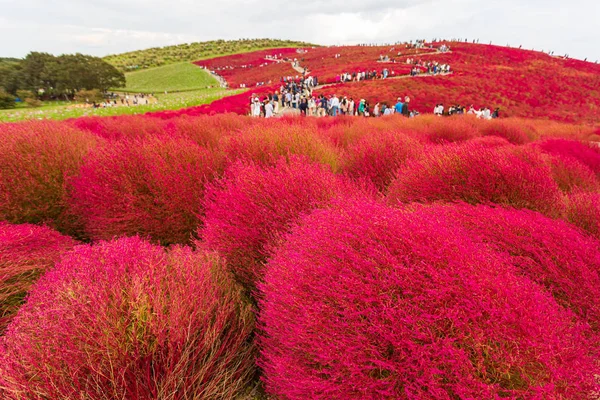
<point x="399" y="105"/>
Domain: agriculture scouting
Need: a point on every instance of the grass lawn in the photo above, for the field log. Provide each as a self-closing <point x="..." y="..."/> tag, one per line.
<point x="171" y="78"/>
<point x="171" y="101"/>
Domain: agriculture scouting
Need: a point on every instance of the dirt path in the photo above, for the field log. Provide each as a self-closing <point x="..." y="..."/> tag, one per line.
<point x="388" y="78"/>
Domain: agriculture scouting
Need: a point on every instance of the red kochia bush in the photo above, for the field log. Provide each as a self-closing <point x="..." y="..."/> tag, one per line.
<point x="129" y="320"/>
<point x="550" y="252"/>
<point x="378" y="155"/>
<point x="35" y="160"/>
<point x="583" y="210"/>
<point x="252" y="205"/>
<point x="475" y="174"/>
<point x="572" y="175"/>
<point x="152" y="187"/>
<point x="580" y="151"/>
<point x="25" y="252"/>
<point x="367" y="302"/>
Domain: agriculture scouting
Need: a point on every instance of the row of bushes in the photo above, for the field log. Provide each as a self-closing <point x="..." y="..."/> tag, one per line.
<point x="97" y="179"/>
<point x="356" y="299"/>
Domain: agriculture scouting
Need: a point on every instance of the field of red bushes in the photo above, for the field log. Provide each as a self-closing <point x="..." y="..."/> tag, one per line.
<point x="223" y="257"/>
<point x="522" y="83"/>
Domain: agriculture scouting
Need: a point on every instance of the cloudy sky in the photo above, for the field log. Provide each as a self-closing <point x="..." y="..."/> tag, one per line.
<point x="102" y="27"/>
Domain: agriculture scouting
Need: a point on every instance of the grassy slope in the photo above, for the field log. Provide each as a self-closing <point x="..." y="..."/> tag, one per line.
<point x="171" y="101"/>
<point x="172" y="78"/>
<point x="143" y="59"/>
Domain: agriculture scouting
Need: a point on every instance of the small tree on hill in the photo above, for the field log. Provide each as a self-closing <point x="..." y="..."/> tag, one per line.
<point x="6" y="100"/>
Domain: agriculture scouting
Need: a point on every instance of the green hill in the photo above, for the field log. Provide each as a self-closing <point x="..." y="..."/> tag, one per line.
<point x="159" y="56"/>
<point x="171" y="78"/>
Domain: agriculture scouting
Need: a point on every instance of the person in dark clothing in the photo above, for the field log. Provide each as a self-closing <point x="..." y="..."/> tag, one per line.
<point x="405" y="110"/>
<point x="496" y="113"/>
<point x="303" y="106"/>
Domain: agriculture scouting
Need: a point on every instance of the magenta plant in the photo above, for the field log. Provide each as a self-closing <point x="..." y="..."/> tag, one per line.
<point x="581" y="151"/>
<point x="475" y="174"/>
<point x="368" y="302"/>
<point x="130" y="320"/>
<point x="26" y="251"/>
<point x="550" y="252"/>
<point x="378" y="155"/>
<point x="36" y="160"/>
<point x="572" y="175"/>
<point x="152" y="187"/>
<point x="249" y="209"/>
<point x="583" y="210"/>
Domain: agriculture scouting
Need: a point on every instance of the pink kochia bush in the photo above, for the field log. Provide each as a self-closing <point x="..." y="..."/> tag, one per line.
<point x="130" y="320"/>
<point x="36" y="159"/>
<point x="248" y="210"/>
<point x="152" y="187"/>
<point x="550" y="252"/>
<point x="580" y="151"/>
<point x="475" y="173"/>
<point x="368" y="302"/>
<point x="26" y="251"/>
<point x="583" y="210"/>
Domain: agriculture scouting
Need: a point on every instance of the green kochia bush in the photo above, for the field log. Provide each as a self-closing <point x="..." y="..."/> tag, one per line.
<point x="368" y="302"/>
<point x="130" y="320"/>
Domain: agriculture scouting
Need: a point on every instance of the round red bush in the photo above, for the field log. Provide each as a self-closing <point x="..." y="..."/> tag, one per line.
<point x="583" y="210"/>
<point x="152" y="187"/>
<point x="26" y="251"/>
<point x="581" y="151"/>
<point x="368" y="302"/>
<point x="248" y="210"/>
<point x="129" y="320"/>
<point x="550" y="252"/>
<point x="476" y="173"/>
<point x="36" y="159"/>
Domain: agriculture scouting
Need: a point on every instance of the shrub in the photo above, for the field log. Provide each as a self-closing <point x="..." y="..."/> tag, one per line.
<point x="26" y="251"/>
<point x="36" y="160"/>
<point x="6" y="100"/>
<point x="127" y="319"/>
<point x="248" y="210"/>
<point x="582" y="152"/>
<point x="476" y="174"/>
<point x="459" y="129"/>
<point x="152" y="187"/>
<point x="570" y="174"/>
<point x="267" y="142"/>
<point x="550" y="252"/>
<point x="365" y="302"/>
<point x="583" y="210"/>
<point x="515" y="131"/>
<point x="121" y="127"/>
<point x="378" y="155"/>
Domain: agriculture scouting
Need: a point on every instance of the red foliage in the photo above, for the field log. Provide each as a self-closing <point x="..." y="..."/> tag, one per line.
<point x="550" y="252"/>
<point x="252" y="206"/>
<point x="26" y="251"/>
<point x="475" y="174"/>
<point x="36" y="159"/>
<point x="151" y="187"/>
<point x="583" y="210"/>
<point x="364" y="301"/>
<point x="580" y="151"/>
<point x="130" y="320"/>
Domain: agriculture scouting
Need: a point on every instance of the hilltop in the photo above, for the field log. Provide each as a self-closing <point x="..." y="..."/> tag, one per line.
<point x="158" y="56"/>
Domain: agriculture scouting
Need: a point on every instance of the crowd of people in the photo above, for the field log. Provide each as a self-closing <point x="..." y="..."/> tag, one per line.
<point x="483" y="113"/>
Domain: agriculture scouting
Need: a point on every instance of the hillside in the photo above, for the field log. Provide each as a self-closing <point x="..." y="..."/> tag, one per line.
<point x="521" y="83"/>
<point x="171" y="78"/>
<point x="159" y="56"/>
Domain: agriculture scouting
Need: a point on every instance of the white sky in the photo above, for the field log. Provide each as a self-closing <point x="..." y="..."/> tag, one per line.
<point x="102" y="27"/>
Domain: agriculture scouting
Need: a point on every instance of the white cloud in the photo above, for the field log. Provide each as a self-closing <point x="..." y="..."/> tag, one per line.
<point x="103" y="27"/>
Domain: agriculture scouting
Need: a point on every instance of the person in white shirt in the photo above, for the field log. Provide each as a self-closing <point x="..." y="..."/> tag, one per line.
<point x="269" y="110"/>
<point x="256" y="109"/>
<point x="335" y="105"/>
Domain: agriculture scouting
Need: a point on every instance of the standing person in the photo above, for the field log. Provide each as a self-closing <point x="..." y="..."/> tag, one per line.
<point x="361" y="107"/>
<point x="351" y="107"/>
<point x="405" y="110"/>
<point x="335" y="105"/>
<point x="276" y="103"/>
<point x="296" y="100"/>
<point x="303" y="106"/>
<point x="398" y="106"/>
<point x="269" y="109"/>
<point x="376" y="110"/>
<point x="256" y="109"/>
<point x="496" y="113"/>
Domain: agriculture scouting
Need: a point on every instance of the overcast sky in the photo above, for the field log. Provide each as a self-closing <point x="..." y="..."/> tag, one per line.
<point x="102" y="27"/>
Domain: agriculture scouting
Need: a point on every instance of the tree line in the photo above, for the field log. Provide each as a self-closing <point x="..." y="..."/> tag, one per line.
<point x="47" y="77"/>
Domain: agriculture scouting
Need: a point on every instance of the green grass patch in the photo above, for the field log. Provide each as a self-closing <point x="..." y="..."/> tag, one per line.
<point x="171" y="101"/>
<point x="171" y="78"/>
